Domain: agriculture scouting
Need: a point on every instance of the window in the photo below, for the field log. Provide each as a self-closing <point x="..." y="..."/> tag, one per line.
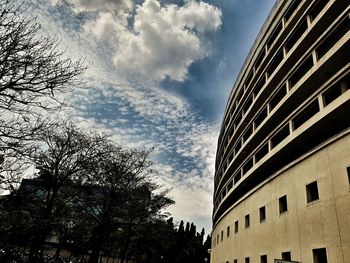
<point x="312" y="192"/>
<point x="228" y="231"/>
<point x="248" y="165"/>
<point x="278" y="96"/>
<point x="248" y="104"/>
<point x="283" y="204"/>
<point x="275" y="62"/>
<point x="247" y="221"/>
<point x="261" y="152"/>
<point x="237" y="177"/>
<point x="274" y="35"/>
<point x="229" y="185"/>
<point x="259" y="85"/>
<point x="292" y="9"/>
<point x="261" y="117"/>
<point x="333" y="38"/>
<point x="238" y="146"/>
<point x="235" y="261"/>
<point x="222" y="235"/>
<point x="320" y="255"/>
<point x="348" y="171"/>
<point x="247" y="260"/>
<point x="306" y="114"/>
<point x="248" y="133"/>
<point x="240" y="94"/>
<point x="286" y="256"/>
<point x="259" y="59"/>
<point x="296" y="35"/>
<point x="317" y="8"/>
<point x="280" y="136"/>
<point x="263" y="259"/>
<point x="262" y="213"/>
<point x="236" y="226"/>
<point x="301" y="71"/>
<point x="217" y="239"/>
<point x="249" y="78"/>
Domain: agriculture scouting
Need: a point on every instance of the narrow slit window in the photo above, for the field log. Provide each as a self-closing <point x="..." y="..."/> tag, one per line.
<point x="247" y="221"/>
<point x="312" y="192"/>
<point x="236" y="226"/>
<point x="262" y="214"/>
<point x="228" y="231"/>
<point x="283" y="205"/>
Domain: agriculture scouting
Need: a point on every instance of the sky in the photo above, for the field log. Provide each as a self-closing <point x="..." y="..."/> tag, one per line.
<point x="160" y="76"/>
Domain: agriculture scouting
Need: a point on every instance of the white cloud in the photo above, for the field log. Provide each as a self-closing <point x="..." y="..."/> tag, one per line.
<point x="162" y="42"/>
<point x="94" y="5"/>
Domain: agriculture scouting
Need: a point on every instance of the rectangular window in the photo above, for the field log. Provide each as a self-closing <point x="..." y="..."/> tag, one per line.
<point x="333" y="38"/>
<point x="348" y="172"/>
<point x="261" y="152"/>
<point x="296" y="35"/>
<point x="238" y="119"/>
<point x="312" y="192"/>
<point x="317" y="8"/>
<point x="240" y="94"/>
<point x="280" y="136"/>
<point x="263" y="259"/>
<point x="228" y="231"/>
<point x="279" y="95"/>
<point x="248" y="165"/>
<point x="291" y="9"/>
<point x="301" y="71"/>
<point x="332" y="94"/>
<point x="236" y="226"/>
<point x="306" y="114"/>
<point x="259" y="59"/>
<point x="247" y="260"/>
<point x="238" y="146"/>
<point x="247" y="221"/>
<point x="262" y="214"/>
<point x="261" y="117"/>
<point x="237" y="177"/>
<point x="222" y="235"/>
<point x="275" y="62"/>
<point x="249" y="78"/>
<point x="229" y="185"/>
<point x="286" y="256"/>
<point x="259" y="85"/>
<point x="274" y="35"/>
<point x="235" y="261"/>
<point x="217" y="239"/>
<point x="320" y="255"/>
<point x="248" y="104"/>
<point x="283" y="204"/>
<point x="248" y="133"/>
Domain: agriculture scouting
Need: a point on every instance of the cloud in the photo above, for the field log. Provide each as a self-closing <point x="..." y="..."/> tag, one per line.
<point x="93" y="5"/>
<point x="162" y="41"/>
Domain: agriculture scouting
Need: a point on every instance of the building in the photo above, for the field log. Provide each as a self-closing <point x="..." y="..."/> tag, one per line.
<point x="282" y="180"/>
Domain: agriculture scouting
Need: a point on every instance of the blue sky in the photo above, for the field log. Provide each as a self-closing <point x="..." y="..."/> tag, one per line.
<point x="160" y="77"/>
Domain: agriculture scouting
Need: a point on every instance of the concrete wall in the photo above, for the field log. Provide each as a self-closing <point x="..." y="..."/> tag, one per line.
<point x="305" y="226"/>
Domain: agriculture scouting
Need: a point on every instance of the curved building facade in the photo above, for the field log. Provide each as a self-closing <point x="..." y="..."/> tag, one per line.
<point x="282" y="172"/>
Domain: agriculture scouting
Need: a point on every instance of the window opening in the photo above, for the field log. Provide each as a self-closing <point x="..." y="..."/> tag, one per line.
<point x="306" y="114"/>
<point x="312" y="192"/>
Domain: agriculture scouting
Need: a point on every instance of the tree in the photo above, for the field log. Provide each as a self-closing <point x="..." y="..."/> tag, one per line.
<point x="33" y="72"/>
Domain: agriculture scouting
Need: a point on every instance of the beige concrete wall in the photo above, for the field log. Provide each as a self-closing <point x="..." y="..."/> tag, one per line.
<point x="323" y="223"/>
